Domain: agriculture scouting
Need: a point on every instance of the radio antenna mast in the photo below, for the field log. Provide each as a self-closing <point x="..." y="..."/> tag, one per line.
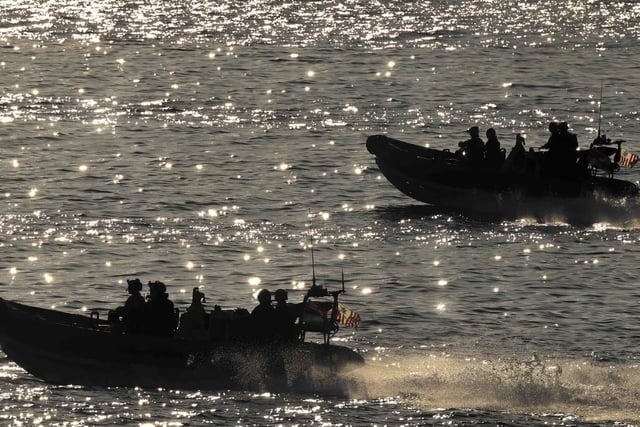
<point x="600" y="109"/>
<point x="313" y="261"/>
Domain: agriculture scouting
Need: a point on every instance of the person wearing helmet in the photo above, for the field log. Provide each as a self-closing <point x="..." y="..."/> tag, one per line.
<point x="494" y="156"/>
<point x="263" y="318"/>
<point x="194" y="321"/>
<point x="472" y="150"/>
<point x="132" y="312"/>
<point x="285" y="318"/>
<point x="160" y="314"/>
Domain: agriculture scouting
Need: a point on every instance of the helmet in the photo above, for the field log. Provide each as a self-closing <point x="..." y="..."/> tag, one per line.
<point x="281" y="295"/>
<point x="134" y="284"/>
<point x="158" y="287"/>
<point x="264" y="296"/>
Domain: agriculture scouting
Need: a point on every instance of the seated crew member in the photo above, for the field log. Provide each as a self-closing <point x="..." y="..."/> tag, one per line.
<point x="263" y="318"/>
<point x="159" y="311"/>
<point x="568" y="154"/>
<point x="194" y="321"/>
<point x="472" y="149"/>
<point x="285" y="317"/>
<point x="133" y="310"/>
<point x="554" y="139"/>
<point x="493" y="155"/>
<point x="561" y="159"/>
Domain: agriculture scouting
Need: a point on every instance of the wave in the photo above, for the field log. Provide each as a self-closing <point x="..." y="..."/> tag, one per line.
<point x="599" y="214"/>
<point x="589" y="389"/>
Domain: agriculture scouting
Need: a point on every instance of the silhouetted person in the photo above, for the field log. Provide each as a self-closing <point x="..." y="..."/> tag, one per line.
<point x="194" y="321"/>
<point x="554" y="139"/>
<point x="286" y="316"/>
<point x="263" y="318"/>
<point x="569" y="139"/>
<point x="494" y="157"/>
<point x="472" y="149"/>
<point x="132" y="312"/>
<point x="159" y="312"/>
<point x="516" y="161"/>
<point x="553" y="158"/>
<point x="568" y="150"/>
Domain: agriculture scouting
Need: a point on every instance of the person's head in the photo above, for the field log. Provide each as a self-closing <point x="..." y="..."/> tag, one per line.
<point x="134" y="285"/>
<point x="563" y="127"/>
<point x="553" y="127"/>
<point x="474" y="131"/>
<point x="491" y="133"/>
<point x="157" y="289"/>
<point x="264" y="297"/>
<point x="197" y="296"/>
<point x="281" y="296"/>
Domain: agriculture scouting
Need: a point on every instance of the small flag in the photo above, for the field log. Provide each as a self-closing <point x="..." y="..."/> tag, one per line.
<point x="628" y="160"/>
<point x="348" y="317"/>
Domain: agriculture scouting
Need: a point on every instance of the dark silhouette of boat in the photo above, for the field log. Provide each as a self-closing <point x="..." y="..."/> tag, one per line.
<point x="64" y="348"/>
<point x="447" y="180"/>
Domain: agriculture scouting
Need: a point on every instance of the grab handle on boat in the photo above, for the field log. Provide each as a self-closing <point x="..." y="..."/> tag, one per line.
<point x="95" y="316"/>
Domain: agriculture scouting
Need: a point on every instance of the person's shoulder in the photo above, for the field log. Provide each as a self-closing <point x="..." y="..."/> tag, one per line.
<point x="138" y="301"/>
<point x="166" y="303"/>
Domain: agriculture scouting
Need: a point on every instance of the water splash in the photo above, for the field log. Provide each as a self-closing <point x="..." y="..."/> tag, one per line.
<point x="585" y="213"/>
<point x="585" y="388"/>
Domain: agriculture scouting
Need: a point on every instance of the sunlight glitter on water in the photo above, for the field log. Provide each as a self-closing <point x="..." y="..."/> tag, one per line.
<point x="224" y="86"/>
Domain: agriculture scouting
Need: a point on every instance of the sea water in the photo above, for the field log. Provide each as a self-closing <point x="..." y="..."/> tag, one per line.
<point x="213" y="144"/>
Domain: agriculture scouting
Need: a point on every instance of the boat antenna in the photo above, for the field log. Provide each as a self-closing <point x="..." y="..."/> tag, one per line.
<point x="600" y="109"/>
<point x="313" y="261"/>
<point x="341" y="257"/>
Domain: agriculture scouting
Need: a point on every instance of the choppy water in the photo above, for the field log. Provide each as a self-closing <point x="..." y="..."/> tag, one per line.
<point x="189" y="141"/>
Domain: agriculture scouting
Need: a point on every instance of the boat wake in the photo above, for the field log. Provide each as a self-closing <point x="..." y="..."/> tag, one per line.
<point x="579" y="212"/>
<point x="603" y="214"/>
<point x="591" y="390"/>
<point x="286" y="372"/>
